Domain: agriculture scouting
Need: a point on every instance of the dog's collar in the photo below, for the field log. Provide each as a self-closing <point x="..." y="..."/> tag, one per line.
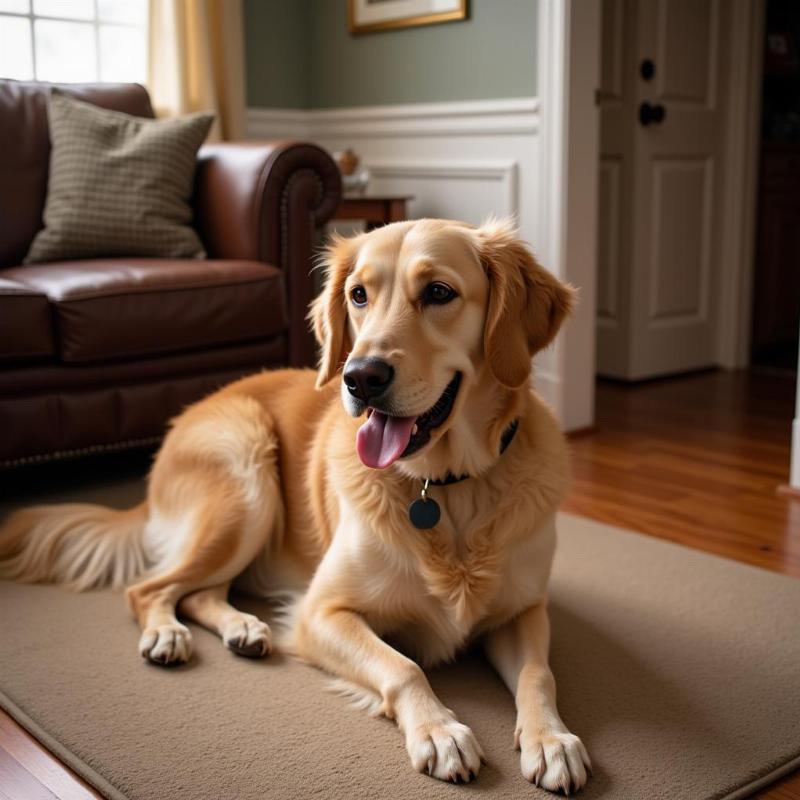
<point x="505" y="440"/>
<point x="424" y="512"/>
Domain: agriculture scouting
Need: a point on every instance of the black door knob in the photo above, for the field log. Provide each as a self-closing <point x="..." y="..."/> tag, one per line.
<point x="647" y="69"/>
<point x="651" y="115"/>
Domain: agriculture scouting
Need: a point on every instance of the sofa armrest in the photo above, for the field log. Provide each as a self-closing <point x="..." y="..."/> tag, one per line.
<point x="263" y="201"/>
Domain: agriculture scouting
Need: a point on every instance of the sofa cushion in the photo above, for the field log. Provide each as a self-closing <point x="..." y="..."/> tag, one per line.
<point x="119" y="185"/>
<point x="26" y="325"/>
<point x="25" y="151"/>
<point x="118" y="308"/>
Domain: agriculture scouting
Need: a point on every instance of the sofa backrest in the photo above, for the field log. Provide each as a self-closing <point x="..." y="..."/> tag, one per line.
<point x="25" y="151"/>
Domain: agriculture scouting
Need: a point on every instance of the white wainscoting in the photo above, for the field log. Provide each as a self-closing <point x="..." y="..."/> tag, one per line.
<point x="459" y="160"/>
<point x="469" y="189"/>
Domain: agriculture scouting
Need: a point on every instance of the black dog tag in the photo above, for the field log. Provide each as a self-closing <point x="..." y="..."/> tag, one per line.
<point x="424" y="513"/>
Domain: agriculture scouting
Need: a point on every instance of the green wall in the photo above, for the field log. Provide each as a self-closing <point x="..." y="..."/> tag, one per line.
<point x="300" y="55"/>
<point x="276" y="53"/>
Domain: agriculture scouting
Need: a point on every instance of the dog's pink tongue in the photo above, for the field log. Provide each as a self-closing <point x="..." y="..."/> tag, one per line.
<point x="381" y="439"/>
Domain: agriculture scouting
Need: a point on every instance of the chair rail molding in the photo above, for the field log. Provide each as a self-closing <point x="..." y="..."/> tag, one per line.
<point x="516" y="115"/>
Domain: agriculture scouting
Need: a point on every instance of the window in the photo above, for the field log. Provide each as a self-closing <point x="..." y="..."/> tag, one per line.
<point x="73" y="40"/>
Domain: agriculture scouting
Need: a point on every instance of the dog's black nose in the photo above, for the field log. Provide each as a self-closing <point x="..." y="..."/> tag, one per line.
<point x="367" y="378"/>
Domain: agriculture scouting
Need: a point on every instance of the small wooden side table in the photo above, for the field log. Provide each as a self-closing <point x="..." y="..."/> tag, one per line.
<point x="376" y="210"/>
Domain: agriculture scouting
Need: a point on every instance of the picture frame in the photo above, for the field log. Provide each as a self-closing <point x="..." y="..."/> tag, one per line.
<point x="367" y="16"/>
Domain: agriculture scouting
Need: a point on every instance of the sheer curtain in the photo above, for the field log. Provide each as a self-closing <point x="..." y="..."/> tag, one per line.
<point x="196" y="61"/>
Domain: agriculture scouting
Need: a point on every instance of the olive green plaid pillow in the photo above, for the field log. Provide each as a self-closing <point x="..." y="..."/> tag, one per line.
<point x="118" y="185"/>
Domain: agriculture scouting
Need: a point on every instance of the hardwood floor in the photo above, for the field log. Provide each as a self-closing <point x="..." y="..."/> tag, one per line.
<point x="696" y="460"/>
<point x="29" y="772"/>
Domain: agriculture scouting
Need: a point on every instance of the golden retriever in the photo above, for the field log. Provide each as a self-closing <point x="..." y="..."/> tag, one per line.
<point x="428" y="329"/>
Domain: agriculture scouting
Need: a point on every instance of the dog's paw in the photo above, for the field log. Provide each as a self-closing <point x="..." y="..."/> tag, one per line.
<point x="554" y="760"/>
<point x="448" y="751"/>
<point x="247" y="635"/>
<point x="167" y="644"/>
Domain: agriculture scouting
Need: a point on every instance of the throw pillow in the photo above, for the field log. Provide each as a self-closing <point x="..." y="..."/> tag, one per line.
<point x="118" y="185"/>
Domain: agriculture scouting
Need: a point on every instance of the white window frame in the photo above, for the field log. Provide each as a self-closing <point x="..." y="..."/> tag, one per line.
<point x="95" y="22"/>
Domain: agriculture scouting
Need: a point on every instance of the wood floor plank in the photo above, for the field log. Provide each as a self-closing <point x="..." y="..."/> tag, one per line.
<point x="47" y="771"/>
<point x="786" y="789"/>
<point x="17" y="783"/>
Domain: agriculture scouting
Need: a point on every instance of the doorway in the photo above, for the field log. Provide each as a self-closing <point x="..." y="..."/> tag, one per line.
<point x="699" y="228"/>
<point x="776" y="284"/>
<point x="678" y="106"/>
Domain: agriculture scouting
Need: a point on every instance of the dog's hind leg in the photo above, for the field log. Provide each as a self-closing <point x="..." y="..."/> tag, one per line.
<point x="164" y="640"/>
<point x="223" y="535"/>
<point x="211" y="560"/>
<point x="244" y="634"/>
<point x="215" y="503"/>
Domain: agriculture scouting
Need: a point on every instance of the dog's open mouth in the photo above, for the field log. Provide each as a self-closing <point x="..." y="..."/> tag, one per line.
<point x="384" y="438"/>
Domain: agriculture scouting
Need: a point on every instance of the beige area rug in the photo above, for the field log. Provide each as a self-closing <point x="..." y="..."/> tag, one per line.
<point x="680" y="671"/>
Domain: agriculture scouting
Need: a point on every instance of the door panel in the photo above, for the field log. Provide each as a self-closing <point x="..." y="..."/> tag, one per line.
<point x="679" y="260"/>
<point x="686" y="50"/>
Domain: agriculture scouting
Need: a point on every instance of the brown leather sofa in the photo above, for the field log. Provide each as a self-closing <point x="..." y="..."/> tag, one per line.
<point x="99" y="354"/>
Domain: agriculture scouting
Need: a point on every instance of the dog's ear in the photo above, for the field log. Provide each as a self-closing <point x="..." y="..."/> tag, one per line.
<point x="328" y="313"/>
<point x="527" y="304"/>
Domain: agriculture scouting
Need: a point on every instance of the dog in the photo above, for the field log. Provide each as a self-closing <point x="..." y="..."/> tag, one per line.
<point x="418" y="507"/>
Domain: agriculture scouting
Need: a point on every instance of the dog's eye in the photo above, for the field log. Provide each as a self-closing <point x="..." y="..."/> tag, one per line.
<point x="438" y="294"/>
<point x="358" y="294"/>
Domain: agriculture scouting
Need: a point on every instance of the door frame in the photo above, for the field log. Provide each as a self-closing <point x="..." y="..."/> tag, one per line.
<point x="568" y="66"/>
<point x="569" y="52"/>
<point x="741" y="164"/>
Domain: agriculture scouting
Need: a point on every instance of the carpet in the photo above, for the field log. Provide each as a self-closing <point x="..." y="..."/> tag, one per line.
<point x="679" y="670"/>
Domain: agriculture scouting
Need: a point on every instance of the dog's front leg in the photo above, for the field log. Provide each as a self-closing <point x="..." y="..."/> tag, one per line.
<point x="551" y="756"/>
<point x="339" y="640"/>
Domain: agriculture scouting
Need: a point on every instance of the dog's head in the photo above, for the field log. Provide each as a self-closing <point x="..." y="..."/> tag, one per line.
<point x="432" y="323"/>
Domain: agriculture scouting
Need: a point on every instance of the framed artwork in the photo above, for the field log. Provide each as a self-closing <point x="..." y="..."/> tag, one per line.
<point x="365" y="16"/>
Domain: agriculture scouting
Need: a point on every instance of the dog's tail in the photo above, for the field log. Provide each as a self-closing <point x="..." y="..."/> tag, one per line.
<point x="80" y="545"/>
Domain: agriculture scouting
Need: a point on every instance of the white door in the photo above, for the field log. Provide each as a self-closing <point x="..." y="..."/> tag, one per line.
<point x="662" y="148"/>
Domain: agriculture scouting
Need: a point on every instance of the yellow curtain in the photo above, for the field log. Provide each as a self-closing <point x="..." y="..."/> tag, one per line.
<point x="196" y="61"/>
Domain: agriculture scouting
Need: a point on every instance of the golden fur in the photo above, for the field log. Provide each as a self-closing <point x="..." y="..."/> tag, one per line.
<point x="260" y="484"/>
